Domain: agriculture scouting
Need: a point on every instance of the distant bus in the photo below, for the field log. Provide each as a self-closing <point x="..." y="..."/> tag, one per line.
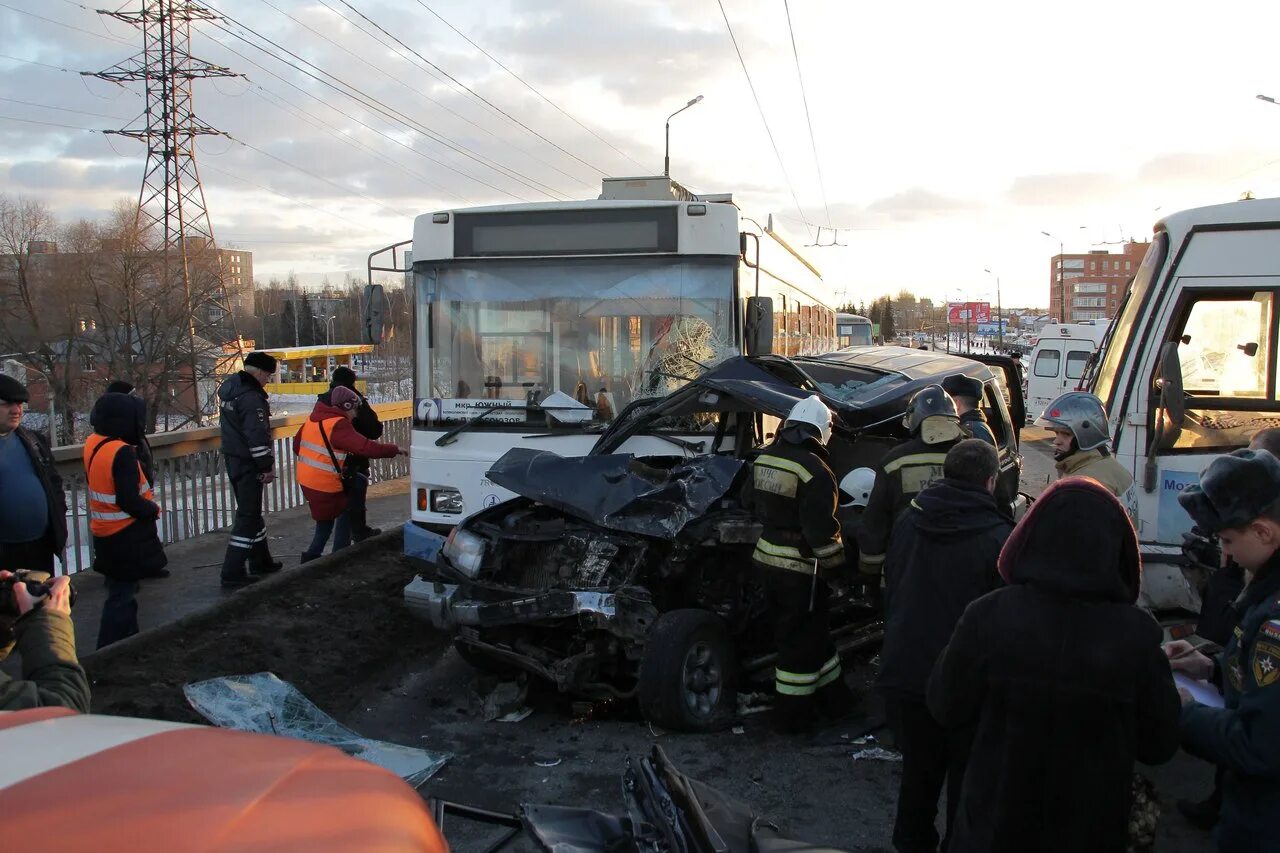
<point x="853" y="330"/>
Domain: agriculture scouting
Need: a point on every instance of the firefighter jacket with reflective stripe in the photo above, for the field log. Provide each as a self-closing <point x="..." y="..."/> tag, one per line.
<point x="106" y="517"/>
<point x="1104" y="468"/>
<point x="316" y="469"/>
<point x="905" y="472"/>
<point x="794" y="495"/>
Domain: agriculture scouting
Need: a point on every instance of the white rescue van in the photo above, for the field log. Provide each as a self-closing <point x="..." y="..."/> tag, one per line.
<point x="1058" y="362"/>
<point x="1189" y="372"/>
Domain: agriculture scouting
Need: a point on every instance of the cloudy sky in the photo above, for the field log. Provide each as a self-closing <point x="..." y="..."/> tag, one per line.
<point x="948" y="135"/>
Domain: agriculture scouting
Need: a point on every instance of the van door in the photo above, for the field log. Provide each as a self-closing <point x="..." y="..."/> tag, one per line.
<point x="1045" y="378"/>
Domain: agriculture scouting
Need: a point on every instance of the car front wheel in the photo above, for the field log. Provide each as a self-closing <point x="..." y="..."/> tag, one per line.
<point x="686" y="672"/>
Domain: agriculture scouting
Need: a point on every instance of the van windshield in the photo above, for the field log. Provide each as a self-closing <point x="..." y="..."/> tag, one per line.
<point x="1104" y="384"/>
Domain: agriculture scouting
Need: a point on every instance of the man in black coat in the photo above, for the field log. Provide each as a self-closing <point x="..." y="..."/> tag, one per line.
<point x="368" y="425"/>
<point x="247" y="451"/>
<point x="33" y="508"/>
<point x="1064" y="680"/>
<point x="942" y="556"/>
<point x="134" y="552"/>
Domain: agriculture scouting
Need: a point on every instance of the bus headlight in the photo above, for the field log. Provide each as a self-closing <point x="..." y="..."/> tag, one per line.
<point x="465" y="551"/>
<point x="446" y="501"/>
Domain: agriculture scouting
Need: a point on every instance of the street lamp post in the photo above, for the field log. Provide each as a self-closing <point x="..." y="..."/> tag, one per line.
<point x="999" y="309"/>
<point x="666" y="156"/>
<point x="1062" y="292"/>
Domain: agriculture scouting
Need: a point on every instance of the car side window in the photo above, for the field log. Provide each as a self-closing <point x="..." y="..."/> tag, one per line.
<point x="1047" y="363"/>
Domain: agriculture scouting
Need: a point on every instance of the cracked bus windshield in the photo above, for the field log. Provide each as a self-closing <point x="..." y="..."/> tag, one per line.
<point x="567" y="343"/>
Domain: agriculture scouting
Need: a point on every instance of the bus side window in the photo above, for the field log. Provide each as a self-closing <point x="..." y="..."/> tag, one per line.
<point x="1225" y="355"/>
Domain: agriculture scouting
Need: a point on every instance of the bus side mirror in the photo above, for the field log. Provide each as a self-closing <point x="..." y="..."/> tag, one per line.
<point x="758" y="337"/>
<point x="1173" y="410"/>
<point x="375" y="313"/>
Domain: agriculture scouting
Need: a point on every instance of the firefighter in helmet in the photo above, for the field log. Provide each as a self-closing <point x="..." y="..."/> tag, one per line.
<point x="1082" y="446"/>
<point x="794" y="495"/>
<point x="905" y="471"/>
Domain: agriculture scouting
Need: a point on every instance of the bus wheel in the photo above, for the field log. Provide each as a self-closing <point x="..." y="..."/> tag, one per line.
<point x="687" y="672"/>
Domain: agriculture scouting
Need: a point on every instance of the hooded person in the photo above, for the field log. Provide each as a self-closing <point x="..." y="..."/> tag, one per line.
<point x="119" y="386"/>
<point x="793" y="493"/>
<point x="1063" y="680"/>
<point x="942" y="556"/>
<point x="122" y="512"/>
<point x="368" y="425"/>
<point x="323" y="445"/>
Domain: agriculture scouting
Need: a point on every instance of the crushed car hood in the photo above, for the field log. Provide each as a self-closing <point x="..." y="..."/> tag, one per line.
<point x="618" y="491"/>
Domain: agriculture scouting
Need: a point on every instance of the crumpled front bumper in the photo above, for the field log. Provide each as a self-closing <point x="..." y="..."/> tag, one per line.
<point x="445" y="606"/>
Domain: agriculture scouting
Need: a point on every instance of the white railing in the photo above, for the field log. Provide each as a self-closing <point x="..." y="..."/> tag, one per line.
<point x="191" y="485"/>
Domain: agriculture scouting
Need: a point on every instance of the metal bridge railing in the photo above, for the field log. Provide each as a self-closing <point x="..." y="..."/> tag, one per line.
<point x="192" y="487"/>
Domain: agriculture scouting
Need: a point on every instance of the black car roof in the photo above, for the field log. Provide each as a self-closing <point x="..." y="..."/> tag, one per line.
<point x="910" y="363"/>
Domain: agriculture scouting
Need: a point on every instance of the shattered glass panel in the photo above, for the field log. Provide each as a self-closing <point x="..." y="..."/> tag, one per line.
<point x="264" y="704"/>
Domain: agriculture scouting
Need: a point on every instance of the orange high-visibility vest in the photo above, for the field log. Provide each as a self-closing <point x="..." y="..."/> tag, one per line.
<point x="316" y="469"/>
<point x="105" y="516"/>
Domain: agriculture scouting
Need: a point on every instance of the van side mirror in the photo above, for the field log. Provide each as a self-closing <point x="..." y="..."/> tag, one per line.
<point x="1250" y="349"/>
<point x="375" y="313"/>
<point x="1169" y="380"/>
<point x="758" y="337"/>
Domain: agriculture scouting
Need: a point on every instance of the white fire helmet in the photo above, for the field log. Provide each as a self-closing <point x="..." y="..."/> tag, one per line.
<point x="813" y="411"/>
<point x="856" y="486"/>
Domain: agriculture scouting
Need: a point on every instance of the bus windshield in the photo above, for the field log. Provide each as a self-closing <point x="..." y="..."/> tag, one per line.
<point x="1116" y="343"/>
<point x="566" y="343"/>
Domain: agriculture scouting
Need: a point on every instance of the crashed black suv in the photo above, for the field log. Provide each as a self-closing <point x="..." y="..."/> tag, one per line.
<point x="613" y="576"/>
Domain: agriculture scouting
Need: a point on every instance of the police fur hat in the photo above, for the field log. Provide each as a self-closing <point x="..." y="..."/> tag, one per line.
<point x="344" y="398"/>
<point x="12" y="391"/>
<point x="261" y="360"/>
<point x="344" y="376"/>
<point x="959" y="385"/>
<point x="1233" y="490"/>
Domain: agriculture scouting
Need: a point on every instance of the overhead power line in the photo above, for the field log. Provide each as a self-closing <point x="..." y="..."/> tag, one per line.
<point x="387" y="111"/>
<point x="760" y="108"/>
<point x="67" y="26"/>
<point x="417" y="91"/>
<point x="531" y="87"/>
<point x="476" y="94"/>
<point x="813" y="142"/>
<point x="66" y="110"/>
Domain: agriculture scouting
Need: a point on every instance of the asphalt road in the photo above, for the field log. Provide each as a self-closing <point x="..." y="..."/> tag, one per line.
<point x="811" y="787"/>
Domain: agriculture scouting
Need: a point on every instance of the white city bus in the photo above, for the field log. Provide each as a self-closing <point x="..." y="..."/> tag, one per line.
<point x="853" y="330"/>
<point x="537" y="324"/>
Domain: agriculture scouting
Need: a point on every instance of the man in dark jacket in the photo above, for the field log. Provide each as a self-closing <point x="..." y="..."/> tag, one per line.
<point x="1064" y="680"/>
<point x="1238" y="498"/>
<point x="126" y="541"/>
<point x="794" y="494"/>
<point x="41" y="630"/>
<point x="905" y="471"/>
<point x="942" y="556"/>
<point x="246" y="448"/>
<point x="367" y="424"/>
<point x="967" y="394"/>
<point x="33" y="509"/>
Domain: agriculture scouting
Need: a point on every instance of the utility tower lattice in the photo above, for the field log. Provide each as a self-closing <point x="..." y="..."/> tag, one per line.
<point x="172" y="214"/>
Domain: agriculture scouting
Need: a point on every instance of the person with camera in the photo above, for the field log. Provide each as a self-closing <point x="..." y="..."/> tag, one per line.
<point x="33" y="508"/>
<point x="122" y="512"/>
<point x="35" y="617"/>
<point x="366" y="423"/>
<point x="323" y="445"/>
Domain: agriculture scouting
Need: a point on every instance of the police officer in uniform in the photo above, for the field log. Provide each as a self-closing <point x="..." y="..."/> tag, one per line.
<point x="1238" y="498"/>
<point x="1081" y="446"/>
<point x="246" y="448"/>
<point x="905" y="472"/>
<point x="967" y="393"/>
<point x="793" y="493"/>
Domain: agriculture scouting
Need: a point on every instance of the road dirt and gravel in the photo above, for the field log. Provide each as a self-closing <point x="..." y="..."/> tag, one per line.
<point x="337" y="629"/>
